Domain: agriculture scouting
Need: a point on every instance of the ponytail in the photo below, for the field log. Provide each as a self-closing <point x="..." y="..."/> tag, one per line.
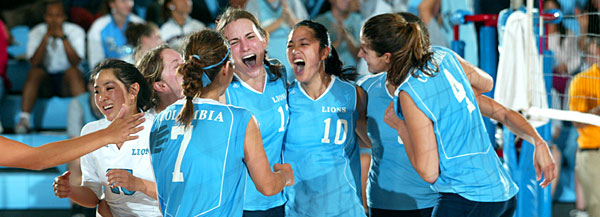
<point x="408" y="42"/>
<point x="207" y="52"/>
<point x="274" y="67"/>
<point x="335" y="66"/>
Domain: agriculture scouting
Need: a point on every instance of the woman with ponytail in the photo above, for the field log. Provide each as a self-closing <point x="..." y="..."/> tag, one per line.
<point x="326" y="114"/>
<point x="258" y="86"/>
<point x="201" y="149"/>
<point x="437" y="110"/>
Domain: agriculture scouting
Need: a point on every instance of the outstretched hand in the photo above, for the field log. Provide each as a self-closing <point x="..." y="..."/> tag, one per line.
<point x="122" y="128"/>
<point x="544" y="164"/>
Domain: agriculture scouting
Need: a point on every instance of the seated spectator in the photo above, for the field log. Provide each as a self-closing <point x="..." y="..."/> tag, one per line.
<point x="344" y="29"/>
<point x="55" y="49"/>
<point x="179" y="23"/>
<point x="106" y="37"/>
<point x="143" y="37"/>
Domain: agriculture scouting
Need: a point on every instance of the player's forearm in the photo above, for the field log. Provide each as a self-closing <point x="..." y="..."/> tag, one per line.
<point x="61" y="152"/>
<point x="148" y="187"/>
<point x="84" y="196"/>
<point x="517" y="124"/>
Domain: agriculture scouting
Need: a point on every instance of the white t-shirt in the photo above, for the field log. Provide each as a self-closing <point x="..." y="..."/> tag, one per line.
<point x="133" y="156"/>
<point x="174" y="34"/>
<point x="55" y="60"/>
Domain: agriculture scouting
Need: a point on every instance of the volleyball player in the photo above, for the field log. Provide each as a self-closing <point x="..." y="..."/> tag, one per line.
<point x="258" y="86"/>
<point x="203" y="150"/>
<point x="444" y="137"/>
<point x="321" y="143"/>
<point x="120" y="174"/>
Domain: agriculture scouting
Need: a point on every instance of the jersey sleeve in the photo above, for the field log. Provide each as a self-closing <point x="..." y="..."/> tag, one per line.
<point x="35" y="38"/>
<point x="89" y="177"/>
<point x="76" y="37"/>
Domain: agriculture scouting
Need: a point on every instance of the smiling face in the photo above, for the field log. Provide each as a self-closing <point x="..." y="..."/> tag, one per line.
<point x="376" y="63"/>
<point x="247" y="47"/>
<point x="110" y="94"/>
<point x="171" y="60"/>
<point x="305" y="54"/>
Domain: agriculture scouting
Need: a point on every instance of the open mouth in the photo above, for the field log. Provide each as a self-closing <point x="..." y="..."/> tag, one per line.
<point x="107" y="108"/>
<point x="299" y="65"/>
<point x="249" y="60"/>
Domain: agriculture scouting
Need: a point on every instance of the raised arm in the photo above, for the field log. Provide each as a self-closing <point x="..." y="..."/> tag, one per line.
<point x="16" y="154"/>
<point x="266" y="181"/>
<point x="517" y="124"/>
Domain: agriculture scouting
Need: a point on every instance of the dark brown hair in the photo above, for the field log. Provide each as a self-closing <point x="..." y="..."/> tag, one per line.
<point x="204" y="53"/>
<point x="127" y="74"/>
<point x="408" y="42"/>
<point x="233" y="14"/>
<point x="333" y="64"/>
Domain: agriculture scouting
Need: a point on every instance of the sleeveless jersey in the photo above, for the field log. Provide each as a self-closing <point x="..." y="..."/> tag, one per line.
<point x="469" y="165"/>
<point x="322" y="148"/>
<point x="200" y="169"/>
<point x="271" y="111"/>
<point x="393" y="182"/>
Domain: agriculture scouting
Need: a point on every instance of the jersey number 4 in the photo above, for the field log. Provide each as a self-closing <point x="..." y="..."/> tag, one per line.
<point x="341" y="124"/>
<point x="459" y="91"/>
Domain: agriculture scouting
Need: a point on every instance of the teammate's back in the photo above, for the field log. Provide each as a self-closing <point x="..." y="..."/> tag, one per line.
<point x="201" y="166"/>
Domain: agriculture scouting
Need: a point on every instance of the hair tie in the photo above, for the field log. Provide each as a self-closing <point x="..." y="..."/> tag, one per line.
<point x="189" y="98"/>
<point x="219" y="63"/>
<point x="196" y="56"/>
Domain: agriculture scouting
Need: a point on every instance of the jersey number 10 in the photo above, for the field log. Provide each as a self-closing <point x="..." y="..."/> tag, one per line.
<point x="341" y="124"/>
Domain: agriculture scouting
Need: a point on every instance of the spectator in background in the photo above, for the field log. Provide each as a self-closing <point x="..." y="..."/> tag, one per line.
<point x="55" y="49"/>
<point x="584" y="97"/>
<point x="207" y="11"/>
<point x="179" y="23"/>
<point x="106" y="37"/>
<point x="4" y="41"/>
<point x="278" y="17"/>
<point x="344" y="28"/>
<point x="143" y="37"/>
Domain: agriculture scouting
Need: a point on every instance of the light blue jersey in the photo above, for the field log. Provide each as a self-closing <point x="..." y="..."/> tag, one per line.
<point x="322" y="148"/>
<point x="200" y="170"/>
<point x="271" y="111"/>
<point x="393" y="182"/>
<point x="469" y="165"/>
